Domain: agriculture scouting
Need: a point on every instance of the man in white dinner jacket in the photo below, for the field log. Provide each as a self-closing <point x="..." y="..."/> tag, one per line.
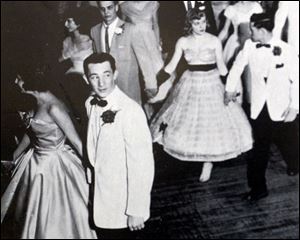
<point x="119" y="147"/>
<point x="274" y="67"/>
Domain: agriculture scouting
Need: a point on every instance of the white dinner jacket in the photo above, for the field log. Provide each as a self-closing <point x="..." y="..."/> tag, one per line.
<point x="122" y="157"/>
<point x="281" y="90"/>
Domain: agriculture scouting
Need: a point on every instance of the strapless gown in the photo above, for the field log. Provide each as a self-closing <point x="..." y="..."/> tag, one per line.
<point x="48" y="193"/>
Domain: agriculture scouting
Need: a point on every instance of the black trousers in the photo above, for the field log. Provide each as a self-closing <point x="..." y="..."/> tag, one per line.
<point x="124" y="233"/>
<point x="266" y="131"/>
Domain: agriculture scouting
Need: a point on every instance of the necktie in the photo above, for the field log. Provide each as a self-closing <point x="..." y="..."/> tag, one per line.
<point x="260" y="45"/>
<point x="189" y="5"/>
<point x="99" y="102"/>
<point x="106" y="40"/>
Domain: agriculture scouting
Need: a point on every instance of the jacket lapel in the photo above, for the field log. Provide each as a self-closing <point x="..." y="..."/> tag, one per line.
<point x="114" y="43"/>
<point x="92" y="137"/>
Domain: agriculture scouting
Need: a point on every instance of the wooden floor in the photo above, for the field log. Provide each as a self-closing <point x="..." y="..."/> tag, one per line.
<point x="184" y="208"/>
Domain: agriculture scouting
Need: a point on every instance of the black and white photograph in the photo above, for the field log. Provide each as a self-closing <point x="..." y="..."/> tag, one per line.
<point x="149" y="119"/>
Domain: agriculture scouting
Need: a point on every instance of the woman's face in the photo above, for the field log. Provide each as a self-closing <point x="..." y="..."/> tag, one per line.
<point x="71" y="25"/>
<point x="199" y="26"/>
<point x="20" y="84"/>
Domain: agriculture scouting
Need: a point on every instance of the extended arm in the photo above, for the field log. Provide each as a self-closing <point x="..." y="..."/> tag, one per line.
<point x="219" y="58"/>
<point x="23" y="145"/>
<point x="171" y="67"/>
<point x="224" y="33"/>
<point x="280" y="19"/>
<point x="63" y="120"/>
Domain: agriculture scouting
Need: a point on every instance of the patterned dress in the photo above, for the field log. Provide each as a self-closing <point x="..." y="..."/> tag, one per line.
<point x="194" y="124"/>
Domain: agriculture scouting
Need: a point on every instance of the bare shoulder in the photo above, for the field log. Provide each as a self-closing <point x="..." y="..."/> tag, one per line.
<point x="182" y="42"/>
<point x="213" y="39"/>
<point x="57" y="109"/>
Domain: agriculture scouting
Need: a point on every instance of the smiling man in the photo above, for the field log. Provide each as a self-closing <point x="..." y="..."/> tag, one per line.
<point x="119" y="147"/>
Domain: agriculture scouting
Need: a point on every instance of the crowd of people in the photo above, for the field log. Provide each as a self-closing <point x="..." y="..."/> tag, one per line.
<point x="149" y="72"/>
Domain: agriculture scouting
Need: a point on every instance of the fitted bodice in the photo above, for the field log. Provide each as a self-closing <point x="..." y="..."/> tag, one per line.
<point x="139" y="13"/>
<point x="79" y="51"/>
<point x="203" y="56"/>
<point x="45" y="136"/>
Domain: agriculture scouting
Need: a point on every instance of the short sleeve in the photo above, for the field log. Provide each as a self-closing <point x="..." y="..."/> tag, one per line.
<point x="229" y="12"/>
<point x="257" y="8"/>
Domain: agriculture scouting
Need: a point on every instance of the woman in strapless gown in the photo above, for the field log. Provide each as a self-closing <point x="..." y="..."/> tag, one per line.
<point x="194" y="124"/>
<point x="76" y="47"/>
<point x="48" y="194"/>
<point x="239" y="16"/>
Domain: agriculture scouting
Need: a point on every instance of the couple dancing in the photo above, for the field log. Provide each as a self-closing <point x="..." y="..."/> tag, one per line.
<point x="48" y="196"/>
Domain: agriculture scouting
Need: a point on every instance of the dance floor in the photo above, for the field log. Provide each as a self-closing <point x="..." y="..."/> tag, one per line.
<point x="184" y="208"/>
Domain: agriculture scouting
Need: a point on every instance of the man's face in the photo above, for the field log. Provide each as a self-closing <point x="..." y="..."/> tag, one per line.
<point x="101" y="78"/>
<point x="256" y="33"/>
<point x="108" y="11"/>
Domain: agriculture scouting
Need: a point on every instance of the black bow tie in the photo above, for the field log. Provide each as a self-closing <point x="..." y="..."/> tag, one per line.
<point x="99" y="102"/>
<point x="260" y="45"/>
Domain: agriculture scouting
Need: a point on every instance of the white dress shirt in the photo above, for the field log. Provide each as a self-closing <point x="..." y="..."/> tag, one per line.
<point x="111" y="32"/>
<point x="186" y="4"/>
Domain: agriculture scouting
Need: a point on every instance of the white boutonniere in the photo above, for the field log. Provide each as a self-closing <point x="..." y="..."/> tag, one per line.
<point x="119" y="30"/>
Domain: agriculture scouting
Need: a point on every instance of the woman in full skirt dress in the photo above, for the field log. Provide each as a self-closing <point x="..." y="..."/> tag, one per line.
<point x="194" y="124"/>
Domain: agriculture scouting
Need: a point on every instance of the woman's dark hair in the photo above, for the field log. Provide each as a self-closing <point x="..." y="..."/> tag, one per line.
<point x="37" y="79"/>
<point x="24" y="102"/>
<point x="43" y="78"/>
<point x="193" y="14"/>
<point x="263" y="20"/>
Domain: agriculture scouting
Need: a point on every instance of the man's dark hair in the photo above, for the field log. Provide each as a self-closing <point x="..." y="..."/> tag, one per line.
<point x="263" y="20"/>
<point x="99" y="58"/>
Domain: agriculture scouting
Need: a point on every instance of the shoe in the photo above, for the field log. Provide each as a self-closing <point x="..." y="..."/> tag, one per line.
<point x="206" y="172"/>
<point x="254" y="197"/>
<point x="292" y="173"/>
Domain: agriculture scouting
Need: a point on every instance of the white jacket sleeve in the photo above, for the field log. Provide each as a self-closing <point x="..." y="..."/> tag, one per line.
<point x="140" y="163"/>
<point x="238" y="67"/>
<point x="293" y="64"/>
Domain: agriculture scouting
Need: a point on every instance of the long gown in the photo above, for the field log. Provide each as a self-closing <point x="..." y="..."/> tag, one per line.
<point x="145" y="44"/>
<point x="48" y="193"/>
<point x="194" y="124"/>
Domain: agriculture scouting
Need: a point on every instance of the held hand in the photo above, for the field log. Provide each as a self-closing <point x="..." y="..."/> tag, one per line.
<point x="229" y="96"/>
<point x="135" y="223"/>
<point x="290" y="115"/>
<point x="151" y="92"/>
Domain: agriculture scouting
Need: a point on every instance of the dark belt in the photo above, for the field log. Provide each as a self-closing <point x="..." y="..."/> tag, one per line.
<point x="202" y="68"/>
